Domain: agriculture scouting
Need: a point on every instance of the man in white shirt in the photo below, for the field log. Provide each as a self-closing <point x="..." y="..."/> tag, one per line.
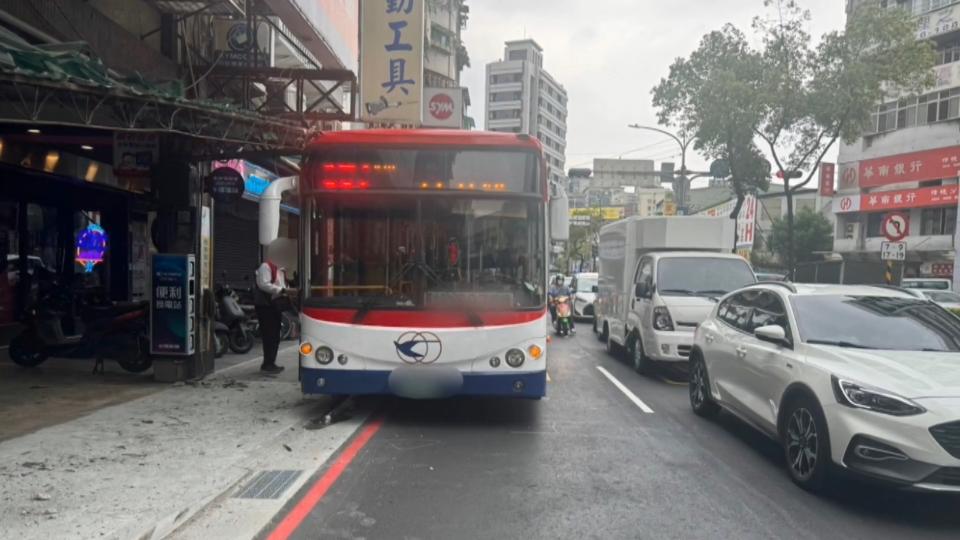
<point x="271" y="285"/>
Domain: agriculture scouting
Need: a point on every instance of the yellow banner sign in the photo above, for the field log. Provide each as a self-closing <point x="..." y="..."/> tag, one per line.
<point x="605" y="213"/>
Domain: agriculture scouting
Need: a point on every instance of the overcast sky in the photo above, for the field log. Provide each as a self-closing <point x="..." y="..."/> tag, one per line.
<point x="609" y="54"/>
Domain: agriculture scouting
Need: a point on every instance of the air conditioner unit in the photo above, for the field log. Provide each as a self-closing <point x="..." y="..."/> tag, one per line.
<point x="852" y="231"/>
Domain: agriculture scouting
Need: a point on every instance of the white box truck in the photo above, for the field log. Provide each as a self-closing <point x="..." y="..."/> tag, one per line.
<point x="659" y="279"/>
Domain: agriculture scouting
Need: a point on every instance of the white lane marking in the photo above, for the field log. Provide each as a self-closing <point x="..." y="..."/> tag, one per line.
<point x="626" y="391"/>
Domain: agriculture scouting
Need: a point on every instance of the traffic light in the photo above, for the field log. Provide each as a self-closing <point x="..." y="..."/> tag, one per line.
<point x="790" y="175"/>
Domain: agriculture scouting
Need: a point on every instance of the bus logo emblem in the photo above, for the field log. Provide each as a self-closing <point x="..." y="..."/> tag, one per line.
<point x="418" y="347"/>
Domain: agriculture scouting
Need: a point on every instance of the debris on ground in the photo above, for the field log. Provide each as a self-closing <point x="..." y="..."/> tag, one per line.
<point x="287" y="448"/>
<point x="41" y="497"/>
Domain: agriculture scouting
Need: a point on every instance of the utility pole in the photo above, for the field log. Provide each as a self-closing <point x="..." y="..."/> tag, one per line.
<point x="681" y="183"/>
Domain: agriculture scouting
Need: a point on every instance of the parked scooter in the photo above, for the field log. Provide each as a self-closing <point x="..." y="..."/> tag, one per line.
<point x="563" y="324"/>
<point x="107" y="330"/>
<point x="229" y="312"/>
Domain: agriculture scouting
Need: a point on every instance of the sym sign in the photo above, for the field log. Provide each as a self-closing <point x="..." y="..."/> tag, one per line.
<point x="443" y="107"/>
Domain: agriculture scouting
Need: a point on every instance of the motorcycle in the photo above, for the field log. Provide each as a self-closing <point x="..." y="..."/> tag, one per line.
<point x="231" y="314"/>
<point x="108" y="330"/>
<point x="563" y="323"/>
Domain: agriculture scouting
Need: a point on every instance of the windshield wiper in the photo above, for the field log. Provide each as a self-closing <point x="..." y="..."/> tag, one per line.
<point x="365" y="307"/>
<point x="712" y="292"/>
<point x="687" y="292"/>
<point x="847" y="344"/>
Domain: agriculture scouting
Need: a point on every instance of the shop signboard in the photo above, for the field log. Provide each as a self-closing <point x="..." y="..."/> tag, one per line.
<point x="237" y="44"/>
<point x="746" y="219"/>
<point x="827" y="176"/>
<point x="904" y="199"/>
<point x="922" y="166"/>
<point x="171" y="305"/>
<point x="845" y="204"/>
<point x="226" y="184"/>
<point x="443" y="107"/>
<point x="134" y="154"/>
<point x="391" y="61"/>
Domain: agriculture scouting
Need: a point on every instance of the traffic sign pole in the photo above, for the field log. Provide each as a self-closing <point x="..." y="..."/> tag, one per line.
<point x="888" y="273"/>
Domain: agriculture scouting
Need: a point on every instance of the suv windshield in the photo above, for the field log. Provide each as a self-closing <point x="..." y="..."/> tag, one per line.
<point x="702" y="276"/>
<point x="876" y="322"/>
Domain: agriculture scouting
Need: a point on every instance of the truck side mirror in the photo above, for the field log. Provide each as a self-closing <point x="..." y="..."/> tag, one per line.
<point x="595" y="289"/>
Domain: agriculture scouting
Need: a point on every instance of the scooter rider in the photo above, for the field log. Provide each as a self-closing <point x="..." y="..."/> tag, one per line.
<point x="558" y="289"/>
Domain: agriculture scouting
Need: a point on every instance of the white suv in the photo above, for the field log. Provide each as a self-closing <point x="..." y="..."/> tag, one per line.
<point x="864" y="378"/>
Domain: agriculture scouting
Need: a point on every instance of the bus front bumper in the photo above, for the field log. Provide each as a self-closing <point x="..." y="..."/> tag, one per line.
<point x="423" y="383"/>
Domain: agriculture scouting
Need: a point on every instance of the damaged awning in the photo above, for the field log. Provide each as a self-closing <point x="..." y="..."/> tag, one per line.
<point x="65" y="85"/>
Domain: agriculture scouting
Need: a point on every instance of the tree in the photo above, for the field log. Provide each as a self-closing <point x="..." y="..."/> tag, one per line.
<point x="798" y="98"/>
<point x="711" y="95"/>
<point x="811" y="233"/>
<point x="579" y="247"/>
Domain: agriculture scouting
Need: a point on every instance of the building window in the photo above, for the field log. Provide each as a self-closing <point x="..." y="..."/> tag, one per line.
<point x="925" y="6"/>
<point x="518" y="55"/>
<point x="503" y="78"/>
<point x="439" y="37"/>
<point x="948" y="53"/>
<point x="938" y="221"/>
<point x="505" y="96"/>
<point x="909" y="112"/>
<point x="504" y="115"/>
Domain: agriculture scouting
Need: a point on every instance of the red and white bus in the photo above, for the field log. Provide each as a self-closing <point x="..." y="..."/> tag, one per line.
<point x="424" y="259"/>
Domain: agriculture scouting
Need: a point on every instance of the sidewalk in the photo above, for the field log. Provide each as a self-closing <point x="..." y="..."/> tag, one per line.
<point x="143" y="468"/>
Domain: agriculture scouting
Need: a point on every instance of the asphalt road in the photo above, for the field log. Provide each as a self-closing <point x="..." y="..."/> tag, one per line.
<point x="588" y="462"/>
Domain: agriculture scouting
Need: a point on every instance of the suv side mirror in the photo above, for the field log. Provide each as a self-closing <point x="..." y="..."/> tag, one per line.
<point x="772" y="334"/>
<point x="595" y="289"/>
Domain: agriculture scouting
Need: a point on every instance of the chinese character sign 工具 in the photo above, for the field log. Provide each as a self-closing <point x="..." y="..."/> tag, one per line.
<point x="391" y="60"/>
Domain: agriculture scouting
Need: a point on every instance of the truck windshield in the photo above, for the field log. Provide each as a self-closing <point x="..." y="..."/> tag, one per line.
<point x="427" y="252"/>
<point x="702" y="276"/>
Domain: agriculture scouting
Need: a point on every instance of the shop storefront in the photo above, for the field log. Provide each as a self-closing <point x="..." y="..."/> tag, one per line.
<point x="236" y="250"/>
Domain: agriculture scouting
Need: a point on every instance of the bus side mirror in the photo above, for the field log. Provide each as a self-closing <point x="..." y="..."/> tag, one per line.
<point x="559" y="215"/>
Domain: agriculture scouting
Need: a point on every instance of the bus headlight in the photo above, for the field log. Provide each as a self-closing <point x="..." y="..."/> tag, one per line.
<point x="515" y="358"/>
<point x="324" y="355"/>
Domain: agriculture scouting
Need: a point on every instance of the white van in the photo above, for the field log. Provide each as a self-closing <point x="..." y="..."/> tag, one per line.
<point x="659" y="279"/>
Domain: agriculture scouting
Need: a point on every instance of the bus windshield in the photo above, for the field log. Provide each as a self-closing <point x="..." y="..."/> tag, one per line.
<point x="427" y="251"/>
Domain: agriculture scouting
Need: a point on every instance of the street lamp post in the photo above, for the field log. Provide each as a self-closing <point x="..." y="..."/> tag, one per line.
<point x="681" y="186"/>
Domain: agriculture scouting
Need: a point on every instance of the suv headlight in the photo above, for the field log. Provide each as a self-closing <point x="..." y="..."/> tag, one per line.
<point x="859" y="396"/>
<point x="662" y="320"/>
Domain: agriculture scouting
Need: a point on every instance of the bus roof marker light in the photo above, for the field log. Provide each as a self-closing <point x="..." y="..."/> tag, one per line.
<point x="424" y="185"/>
<point x="439" y="185"/>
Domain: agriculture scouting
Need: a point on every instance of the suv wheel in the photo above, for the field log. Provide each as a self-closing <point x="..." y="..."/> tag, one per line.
<point x="806" y="443"/>
<point x="700" y="400"/>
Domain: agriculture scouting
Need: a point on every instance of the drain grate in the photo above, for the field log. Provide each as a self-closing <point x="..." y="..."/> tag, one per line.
<point x="268" y="485"/>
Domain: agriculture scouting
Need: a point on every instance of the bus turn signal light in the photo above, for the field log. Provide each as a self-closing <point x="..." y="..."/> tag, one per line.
<point x="535" y="351"/>
<point x="306" y="349"/>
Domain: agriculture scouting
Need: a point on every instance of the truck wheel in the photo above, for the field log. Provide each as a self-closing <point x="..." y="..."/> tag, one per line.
<point x="641" y="364"/>
<point x="613" y="349"/>
<point x="605" y="335"/>
<point x="595" y="330"/>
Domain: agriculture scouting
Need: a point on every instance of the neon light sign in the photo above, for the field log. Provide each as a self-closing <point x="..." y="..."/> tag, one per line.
<point x="91" y="246"/>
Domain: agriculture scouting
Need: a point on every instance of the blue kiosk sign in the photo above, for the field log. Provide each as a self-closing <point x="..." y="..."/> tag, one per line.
<point x="172" y="306"/>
